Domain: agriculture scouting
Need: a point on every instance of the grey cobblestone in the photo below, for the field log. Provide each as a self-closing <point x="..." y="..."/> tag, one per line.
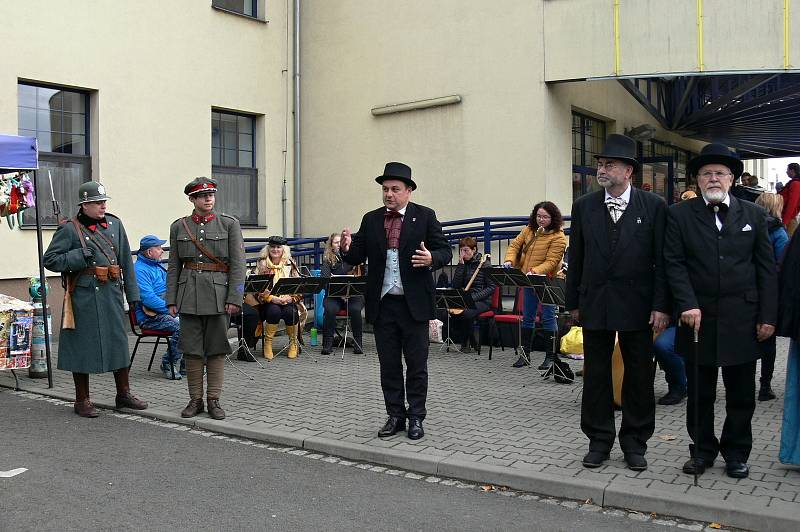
<point x="481" y="412"/>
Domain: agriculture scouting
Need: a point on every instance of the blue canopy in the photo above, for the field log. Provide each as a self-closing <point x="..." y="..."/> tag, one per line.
<point x="18" y="153"/>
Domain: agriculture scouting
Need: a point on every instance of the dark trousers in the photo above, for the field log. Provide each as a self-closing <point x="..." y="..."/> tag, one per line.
<point x="638" y="401"/>
<point x="461" y="325"/>
<point x="398" y="335"/>
<point x="740" y="403"/>
<point x="333" y="305"/>
<point x="273" y="313"/>
<point x="768" y="349"/>
<point x="251" y="320"/>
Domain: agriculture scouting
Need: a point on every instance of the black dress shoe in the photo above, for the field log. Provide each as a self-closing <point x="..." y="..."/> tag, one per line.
<point x="393" y="426"/>
<point x="594" y="459"/>
<point x="635" y="461"/>
<point x="765" y="393"/>
<point x="697" y="464"/>
<point x="415" y="431"/>
<point x="673" y="397"/>
<point x="737" y="469"/>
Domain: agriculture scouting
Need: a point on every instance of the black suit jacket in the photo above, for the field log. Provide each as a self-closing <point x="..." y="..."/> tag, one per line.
<point x="369" y="243"/>
<point x="617" y="290"/>
<point x="729" y="275"/>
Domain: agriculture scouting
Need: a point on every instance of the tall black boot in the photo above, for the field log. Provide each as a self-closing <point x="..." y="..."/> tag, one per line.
<point x="327" y="344"/>
<point x="549" y="354"/>
<point x="525" y="343"/>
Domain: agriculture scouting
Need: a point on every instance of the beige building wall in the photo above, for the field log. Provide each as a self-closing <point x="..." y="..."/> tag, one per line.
<point x="155" y="69"/>
<point x="674" y="36"/>
<point x="507" y="144"/>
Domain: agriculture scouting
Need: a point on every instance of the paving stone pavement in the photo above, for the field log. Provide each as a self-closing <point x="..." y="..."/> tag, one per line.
<point x="487" y="422"/>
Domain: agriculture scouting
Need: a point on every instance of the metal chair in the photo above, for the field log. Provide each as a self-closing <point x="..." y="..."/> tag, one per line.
<point x="141" y="336"/>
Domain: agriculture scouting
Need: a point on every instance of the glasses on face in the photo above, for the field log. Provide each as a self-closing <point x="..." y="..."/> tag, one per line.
<point x="607" y="166"/>
<point x="543" y="216"/>
<point x="718" y="175"/>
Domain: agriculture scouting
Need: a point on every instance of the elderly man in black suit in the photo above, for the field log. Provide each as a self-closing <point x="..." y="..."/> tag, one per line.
<point x="403" y="243"/>
<point x="721" y="269"/>
<point x="616" y="288"/>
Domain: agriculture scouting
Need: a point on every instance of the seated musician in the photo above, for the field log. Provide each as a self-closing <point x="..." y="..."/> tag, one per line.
<point x="467" y="276"/>
<point x="332" y="264"/>
<point x="276" y="260"/>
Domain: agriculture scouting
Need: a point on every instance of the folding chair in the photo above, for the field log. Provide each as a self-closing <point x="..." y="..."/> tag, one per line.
<point x="142" y="334"/>
<point x="512" y="320"/>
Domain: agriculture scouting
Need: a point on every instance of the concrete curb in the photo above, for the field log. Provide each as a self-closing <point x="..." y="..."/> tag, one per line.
<point x="606" y="494"/>
<point x="740" y="514"/>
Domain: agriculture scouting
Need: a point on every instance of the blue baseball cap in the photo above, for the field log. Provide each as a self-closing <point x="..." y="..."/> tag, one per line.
<point x="149" y="241"/>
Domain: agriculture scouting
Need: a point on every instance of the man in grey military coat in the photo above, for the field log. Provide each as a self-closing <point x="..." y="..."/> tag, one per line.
<point x="92" y="253"/>
<point x="205" y="284"/>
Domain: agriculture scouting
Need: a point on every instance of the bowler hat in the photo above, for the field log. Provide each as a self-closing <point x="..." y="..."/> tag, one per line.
<point x="277" y="241"/>
<point x="200" y="185"/>
<point x="150" y="241"/>
<point x="399" y="171"/>
<point x="716" y="154"/>
<point x="620" y="147"/>
<point x="92" y="191"/>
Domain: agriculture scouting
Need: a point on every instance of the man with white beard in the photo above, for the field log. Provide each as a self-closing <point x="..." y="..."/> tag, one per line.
<point x="721" y="269"/>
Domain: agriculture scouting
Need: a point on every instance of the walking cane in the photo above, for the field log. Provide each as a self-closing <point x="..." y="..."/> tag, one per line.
<point x="696" y="392"/>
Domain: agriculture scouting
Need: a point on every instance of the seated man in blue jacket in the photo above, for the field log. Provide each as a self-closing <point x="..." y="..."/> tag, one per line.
<point x="152" y="313"/>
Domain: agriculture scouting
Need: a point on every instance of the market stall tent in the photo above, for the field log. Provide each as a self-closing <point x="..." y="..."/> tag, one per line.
<point x="20" y="154"/>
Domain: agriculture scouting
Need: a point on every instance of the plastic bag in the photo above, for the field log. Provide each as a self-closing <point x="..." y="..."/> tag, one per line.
<point x="572" y="342"/>
<point x="435" y="331"/>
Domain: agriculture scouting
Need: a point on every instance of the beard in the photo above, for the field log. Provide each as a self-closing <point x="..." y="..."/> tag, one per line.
<point x="714" y="196"/>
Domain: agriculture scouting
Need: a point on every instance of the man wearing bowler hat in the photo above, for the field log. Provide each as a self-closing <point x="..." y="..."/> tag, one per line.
<point x="403" y="243"/>
<point x="721" y="270"/>
<point x="205" y="284"/>
<point x="617" y="289"/>
<point x="94" y="257"/>
<point x="153" y="313"/>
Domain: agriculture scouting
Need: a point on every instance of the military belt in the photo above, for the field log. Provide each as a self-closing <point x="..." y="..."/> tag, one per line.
<point x="206" y="266"/>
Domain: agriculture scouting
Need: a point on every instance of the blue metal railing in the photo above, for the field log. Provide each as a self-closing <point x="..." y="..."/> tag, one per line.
<point x="492" y="231"/>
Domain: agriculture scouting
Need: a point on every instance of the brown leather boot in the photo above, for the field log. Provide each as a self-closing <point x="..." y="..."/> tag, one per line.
<point x="83" y="406"/>
<point x="125" y="399"/>
<point x="214" y="410"/>
<point x="269" y="334"/>
<point x="291" y="332"/>
<point x="194" y="407"/>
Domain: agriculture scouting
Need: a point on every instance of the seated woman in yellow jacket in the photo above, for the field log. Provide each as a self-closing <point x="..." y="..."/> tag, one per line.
<point x="538" y="249"/>
<point x="276" y="260"/>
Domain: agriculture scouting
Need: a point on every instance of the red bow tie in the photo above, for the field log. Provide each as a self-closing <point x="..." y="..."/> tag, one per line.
<point x="196" y="218"/>
<point x="392" y="214"/>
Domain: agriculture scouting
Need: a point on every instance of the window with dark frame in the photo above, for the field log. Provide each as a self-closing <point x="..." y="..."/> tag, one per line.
<point x="588" y="138"/>
<point x="244" y="7"/>
<point x="233" y="159"/>
<point x="59" y="119"/>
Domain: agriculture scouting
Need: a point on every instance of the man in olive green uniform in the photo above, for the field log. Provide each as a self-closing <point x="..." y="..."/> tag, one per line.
<point x="92" y="253"/>
<point x="205" y="284"/>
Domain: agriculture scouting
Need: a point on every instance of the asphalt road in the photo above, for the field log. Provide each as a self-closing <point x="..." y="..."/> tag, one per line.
<point x="112" y="473"/>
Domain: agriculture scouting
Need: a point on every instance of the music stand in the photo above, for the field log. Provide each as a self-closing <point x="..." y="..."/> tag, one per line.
<point x="345" y="287"/>
<point x="448" y="299"/>
<point x="302" y="286"/>
<point x="551" y="292"/>
<point x="253" y="283"/>
<point x="512" y="277"/>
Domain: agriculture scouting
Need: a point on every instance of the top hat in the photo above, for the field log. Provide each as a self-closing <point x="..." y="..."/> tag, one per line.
<point x="397" y="171"/>
<point x="620" y="147"/>
<point x="716" y="154"/>
<point x="200" y="185"/>
<point x="150" y="241"/>
<point x="277" y="241"/>
<point x="92" y="191"/>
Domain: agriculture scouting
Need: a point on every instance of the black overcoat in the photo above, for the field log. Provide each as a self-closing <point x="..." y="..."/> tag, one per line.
<point x="369" y="243"/>
<point x="617" y="290"/>
<point x="729" y="275"/>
